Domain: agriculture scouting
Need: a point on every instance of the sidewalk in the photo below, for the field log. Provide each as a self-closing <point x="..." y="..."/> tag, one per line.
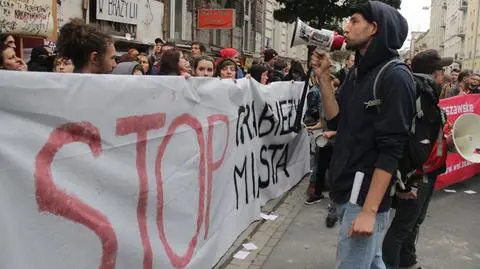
<point x="449" y="238"/>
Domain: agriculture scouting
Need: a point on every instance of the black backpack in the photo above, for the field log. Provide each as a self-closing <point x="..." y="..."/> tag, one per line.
<point x="426" y="126"/>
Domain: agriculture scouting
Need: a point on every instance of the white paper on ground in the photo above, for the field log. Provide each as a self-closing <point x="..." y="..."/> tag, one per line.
<point x="470" y="192"/>
<point x="357" y="184"/>
<point x="250" y="246"/>
<point x="449" y="191"/>
<point x="268" y="217"/>
<point x="241" y="255"/>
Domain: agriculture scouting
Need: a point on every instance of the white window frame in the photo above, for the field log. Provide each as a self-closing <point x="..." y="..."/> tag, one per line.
<point x="172" y="19"/>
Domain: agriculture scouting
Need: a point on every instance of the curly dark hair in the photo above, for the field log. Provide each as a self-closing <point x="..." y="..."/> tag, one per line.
<point x="78" y="40"/>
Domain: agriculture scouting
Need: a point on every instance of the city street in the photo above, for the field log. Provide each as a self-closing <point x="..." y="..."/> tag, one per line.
<point x="448" y="239"/>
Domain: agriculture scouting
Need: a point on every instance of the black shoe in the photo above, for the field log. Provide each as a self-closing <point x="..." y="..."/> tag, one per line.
<point x="331" y="221"/>
<point x="314" y="199"/>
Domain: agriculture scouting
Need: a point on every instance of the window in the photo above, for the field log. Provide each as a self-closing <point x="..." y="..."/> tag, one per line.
<point x="178" y="19"/>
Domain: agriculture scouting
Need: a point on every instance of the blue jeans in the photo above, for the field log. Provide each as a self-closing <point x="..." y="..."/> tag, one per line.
<point x="359" y="252"/>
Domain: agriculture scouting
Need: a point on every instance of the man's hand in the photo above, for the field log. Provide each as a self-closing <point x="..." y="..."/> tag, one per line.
<point x="322" y="68"/>
<point x="329" y="134"/>
<point x="407" y="195"/>
<point x="363" y="225"/>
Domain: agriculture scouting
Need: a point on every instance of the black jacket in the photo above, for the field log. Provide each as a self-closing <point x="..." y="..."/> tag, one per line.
<point x="366" y="138"/>
<point x="341" y="75"/>
<point x="276" y="75"/>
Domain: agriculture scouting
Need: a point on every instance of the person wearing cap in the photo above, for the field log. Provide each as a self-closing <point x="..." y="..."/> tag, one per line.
<point x="231" y="53"/>
<point x="270" y="57"/>
<point x="371" y="133"/>
<point x="411" y="207"/>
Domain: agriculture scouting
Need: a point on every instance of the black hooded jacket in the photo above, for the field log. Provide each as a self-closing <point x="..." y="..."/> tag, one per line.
<point x="366" y="137"/>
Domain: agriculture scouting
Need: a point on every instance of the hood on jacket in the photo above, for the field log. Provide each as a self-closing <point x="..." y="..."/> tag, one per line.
<point x="391" y="33"/>
<point x="125" y="68"/>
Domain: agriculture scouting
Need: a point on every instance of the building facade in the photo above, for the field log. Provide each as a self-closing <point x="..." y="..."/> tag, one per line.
<point x="436" y="33"/>
<point x="278" y="35"/>
<point x="454" y="40"/>
<point x="417" y="42"/>
<point x="472" y="38"/>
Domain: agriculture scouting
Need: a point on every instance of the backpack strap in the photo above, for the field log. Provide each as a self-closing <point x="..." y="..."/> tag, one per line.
<point x="376" y="102"/>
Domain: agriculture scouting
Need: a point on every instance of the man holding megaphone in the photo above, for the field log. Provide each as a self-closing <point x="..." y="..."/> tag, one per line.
<point x="371" y="130"/>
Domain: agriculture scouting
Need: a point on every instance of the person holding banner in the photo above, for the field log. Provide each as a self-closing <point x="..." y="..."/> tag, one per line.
<point x="90" y="49"/>
<point x="371" y="133"/>
<point x="10" y="61"/>
<point x="203" y="66"/>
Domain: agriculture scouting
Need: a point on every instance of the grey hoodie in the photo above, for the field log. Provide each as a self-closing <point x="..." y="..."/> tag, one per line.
<point x="125" y="68"/>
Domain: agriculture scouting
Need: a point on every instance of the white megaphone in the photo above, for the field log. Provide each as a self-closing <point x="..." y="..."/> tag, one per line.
<point x="466" y="137"/>
<point x="325" y="39"/>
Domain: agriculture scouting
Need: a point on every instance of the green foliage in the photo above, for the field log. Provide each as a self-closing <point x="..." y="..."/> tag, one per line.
<point x="320" y="13"/>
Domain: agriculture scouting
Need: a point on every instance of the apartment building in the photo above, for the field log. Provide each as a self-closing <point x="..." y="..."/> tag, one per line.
<point x="454" y="39"/>
<point x="436" y="33"/>
<point x="472" y="36"/>
<point x="278" y="35"/>
<point x="417" y="42"/>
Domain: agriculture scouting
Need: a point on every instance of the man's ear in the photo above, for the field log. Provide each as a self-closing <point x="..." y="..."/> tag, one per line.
<point x="373" y="28"/>
<point x="94" y="59"/>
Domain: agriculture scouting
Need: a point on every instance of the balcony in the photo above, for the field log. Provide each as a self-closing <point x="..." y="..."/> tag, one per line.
<point x="463" y="6"/>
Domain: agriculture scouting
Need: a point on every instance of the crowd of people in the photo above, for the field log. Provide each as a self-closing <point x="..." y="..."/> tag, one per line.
<point x="82" y="48"/>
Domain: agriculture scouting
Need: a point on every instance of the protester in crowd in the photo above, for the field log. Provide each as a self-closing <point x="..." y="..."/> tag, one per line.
<point x="156" y="65"/>
<point x="447" y="85"/>
<point x="286" y="70"/>
<point x="133" y="54"/>
<point x="463" y="84"/>
<point x="297" y="72"/>
<point x="231" y="53"/>
<point x="412" y="204"/>
<point x="173" y="64"/>
<point x="63" y="65"/>
<point x="322" y="154"/>
<point x="10" y="61"/>
<point x="226" y="69"/>
<point x="341" y="75"/>
<point x="203" y="66"/>
<point x="278" y="71"/>
<point x="259" y="73"/>
<point x="90" y="49"/>
<point x="143" y="60"/>
<point x="198" y="49"/>
<point x="7" y="40"/>
<point x="473" y="85"/>
<point x="168" y="46"/>
<point x="158" y="46"/>
<point x="270" y="57"/>
<point x="370" y="139"/>
<point x="454" y="77"/>
<point x="129" y="68"/>
<point x="155" y="57"/>
<point x="40" y="60"/>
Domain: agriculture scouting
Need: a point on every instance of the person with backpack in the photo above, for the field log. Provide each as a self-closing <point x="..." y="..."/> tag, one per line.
<point x="412" y="201"/>
<point x="372" y="129"/>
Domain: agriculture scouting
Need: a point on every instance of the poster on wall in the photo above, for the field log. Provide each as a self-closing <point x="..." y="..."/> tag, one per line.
<point x="31" y="18"/>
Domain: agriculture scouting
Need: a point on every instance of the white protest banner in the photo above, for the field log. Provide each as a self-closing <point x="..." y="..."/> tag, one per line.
<point x="139" y="172"/>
